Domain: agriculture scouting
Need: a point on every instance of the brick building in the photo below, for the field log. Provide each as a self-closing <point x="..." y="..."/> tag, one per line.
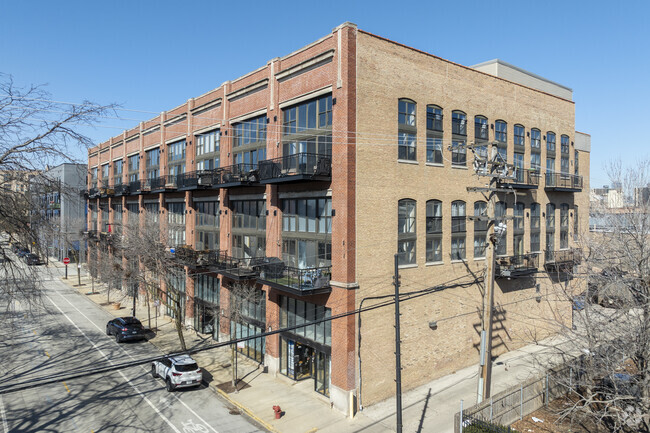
<point x="304" y="177"/>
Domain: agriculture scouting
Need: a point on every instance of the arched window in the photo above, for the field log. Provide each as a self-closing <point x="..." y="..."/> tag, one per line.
<point x="434" y="231"/>
<point x="535" y="138"/>
<point x="459" y="138"/>
<point x="406" y="233"/>
<point x="520" y="139"/>
<point x="480" y="229"/>
<point x="534" y="227"/>
<point x="535" y="149"/>
<point x="458" y="229"/>
<point x="434" y="134"/>
<point x="501" y="137"/>
<point x="407" y="130"/>
<point x="550" y="141"/>
<point x="481" y="131"/>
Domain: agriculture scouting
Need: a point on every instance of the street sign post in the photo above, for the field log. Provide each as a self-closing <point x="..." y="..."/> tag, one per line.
<point x="66" y="260"/>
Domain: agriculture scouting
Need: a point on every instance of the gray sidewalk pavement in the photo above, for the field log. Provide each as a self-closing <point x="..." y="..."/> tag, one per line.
<point x="428" y="408"/>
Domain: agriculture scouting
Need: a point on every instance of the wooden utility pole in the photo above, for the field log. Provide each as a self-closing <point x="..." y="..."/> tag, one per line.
<point x="489" y="166"/>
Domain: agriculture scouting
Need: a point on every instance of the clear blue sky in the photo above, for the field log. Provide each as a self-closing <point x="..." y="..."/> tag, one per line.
<point x="154" y="55"/>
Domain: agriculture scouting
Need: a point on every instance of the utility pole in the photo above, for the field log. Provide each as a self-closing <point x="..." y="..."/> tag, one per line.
<point x="398" y="355"/>
<point x="489" y="165"/>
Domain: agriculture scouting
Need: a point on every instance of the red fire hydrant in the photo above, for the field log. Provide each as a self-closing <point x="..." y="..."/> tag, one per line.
<point x="278" y="412"/>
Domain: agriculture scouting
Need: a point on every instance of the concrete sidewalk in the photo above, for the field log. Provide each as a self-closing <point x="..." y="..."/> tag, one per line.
<point x="429" y="408"/>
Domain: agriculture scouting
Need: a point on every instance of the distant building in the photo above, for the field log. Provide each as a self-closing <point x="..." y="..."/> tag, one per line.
<point x="610" y="198"/>
<point x="58" y="202"/>
<point x="641" y="196"/>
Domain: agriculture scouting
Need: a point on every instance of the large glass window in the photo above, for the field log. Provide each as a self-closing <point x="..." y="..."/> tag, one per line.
<point x="434" y="231"/>
<point x="434" y="134"/>
<point x="207" y="150"/>
<point x="564" y="226"/>
<point x="459" y="138"/>
<point x="575" y="164"/>
<point x="536" y="162"/>
<point x="306" y="232"/>
<point x="576" y="223"/>
<point x="249" y="141"/>
<point x="407" y="130"/>
<point x="501" y="132"/>
<point x="500" y="211"/>
<point x="458" y="230"/>
<point x="248" y="228"/>
<point x="535" y="138"/>
<point x="564" y="144"/>
<point x="134" y="168"/>
<point x="117" y="172"/>
<point x="307" y="128"/>
<point x="207" y="225"/>
<point x="406" y="234"/>
<point x="248" y="318"/>
<point x="534" y="227"/>
<point x="550" y="141"/>
<point x="153" y="163"/>
<point x="176" y="224"/>
<point x="480" y="229"/>
<point x="152" y="211"/>
<point x="550" y="229"/>
<point x="117" y="218"/>
<point x="519" y="135"/>
<point x="176" y="158"/>
<point x="518" y="229"/>
<point x="481" y="135"/>
<point x="133" y="218"/>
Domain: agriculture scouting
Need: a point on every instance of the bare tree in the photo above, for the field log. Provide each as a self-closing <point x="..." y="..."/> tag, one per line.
<point x="34" y="131"/>
<point x="609" y="381"/>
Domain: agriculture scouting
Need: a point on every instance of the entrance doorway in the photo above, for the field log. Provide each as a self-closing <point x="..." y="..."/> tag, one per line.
<point x="300" y="361"/>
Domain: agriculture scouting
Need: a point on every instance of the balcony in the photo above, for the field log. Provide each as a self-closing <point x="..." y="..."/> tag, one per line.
<point x="295" y="168"/>
<point x="235" y="175"/>
<point x="135" y="187"/>
<point x="157" y="184"/>
<point x="523" y="179"/>
<point x="93" y="193"/>
<point x="201" y="179"/>
<point x="91" y="234"/>
<point x="563" y="182"/>
<point x="238" y="269"/>
<point x="516" y="266"/>
<point x="196" y="259"/>
<point x="106" y="190"/>
<point x="562" y="260"/>
<point x="122" y="189"/>
<point x="301" y="282"/>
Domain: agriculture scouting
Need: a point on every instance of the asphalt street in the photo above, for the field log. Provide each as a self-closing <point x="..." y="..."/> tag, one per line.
<point x="68" y="334"/>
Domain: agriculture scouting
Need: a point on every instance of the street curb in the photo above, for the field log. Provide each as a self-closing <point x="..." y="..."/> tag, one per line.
<point x="246" y="410"/>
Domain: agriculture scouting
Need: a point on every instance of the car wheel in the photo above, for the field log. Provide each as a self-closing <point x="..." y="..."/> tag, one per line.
<point x="153" y="372"/>
<point x="117" y="338"/>
<point x="168" y="385"/>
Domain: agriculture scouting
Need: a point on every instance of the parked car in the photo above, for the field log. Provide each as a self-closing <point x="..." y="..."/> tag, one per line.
<point x="32" y="259"/>
<point x="125" y="328"/>
<point x="22" y="252"/>
<point x="178" y="371"/>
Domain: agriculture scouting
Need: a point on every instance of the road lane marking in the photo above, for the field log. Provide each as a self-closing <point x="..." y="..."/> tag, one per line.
<point x="34" y="332"/>
<point x="2" y="414"/>
<point x="163" y="417"/>
<point x="127" y="354"/>
<point x="48" y="355"/>
<point x="66" y="387"/>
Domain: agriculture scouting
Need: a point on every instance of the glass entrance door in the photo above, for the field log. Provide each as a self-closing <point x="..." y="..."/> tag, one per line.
<point x="322" y="373"/>
<point x="303" y="360"/>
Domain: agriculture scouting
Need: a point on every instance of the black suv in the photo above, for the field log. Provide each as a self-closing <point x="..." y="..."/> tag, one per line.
<point x="125" y="328"/>
<point x="32" y="259"/>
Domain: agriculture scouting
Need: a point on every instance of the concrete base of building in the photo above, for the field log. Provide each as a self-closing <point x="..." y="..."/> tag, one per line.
<point x="343" y="401"/>
<point x="272" y="364"/>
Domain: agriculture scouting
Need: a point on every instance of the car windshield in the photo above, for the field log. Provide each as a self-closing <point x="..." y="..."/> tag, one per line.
<point x="187" y="367"/>
<point x="131" y="321"/>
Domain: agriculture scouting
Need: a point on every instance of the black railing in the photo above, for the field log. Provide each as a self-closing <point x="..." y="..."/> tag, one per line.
<point x="572" y="256"/>
<point x="237" y="174"/>
<point x="516" y="266"/>
<point x="274" y="272"/>
<point x="563" y="181"/>
<point x="302" y="165"/>
<point x="93" y="193"/>
<point x="157" y="183"/>
<point x="523" y="178"/>
<point x="122" y="189"/>
<point x="92" y="234"/>
<point x="135" y="187"/>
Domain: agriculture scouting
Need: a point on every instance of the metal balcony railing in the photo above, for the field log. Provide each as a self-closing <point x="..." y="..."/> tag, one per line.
<point x="516" y="266"/>
<point x="236" y="175"/>
<point x="157" y="183"/>
<point x="523" y="179"/>
<point x="135" y="187"/>
<point x="298" y="166"/>
<point x="563" y="182"/>
<point x="274" y="272"/>
<point x="122" y="189"/>
<point x="571" y="256"/>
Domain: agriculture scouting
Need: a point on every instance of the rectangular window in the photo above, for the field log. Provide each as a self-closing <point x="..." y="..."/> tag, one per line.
<point x="207" y="225"/>
<point x="176" y="224"/>
<point x="153" y="163"/>
<point x="535" y="139"/>
<point x="434" y="150"/>
<point x="536" y="162"/>
<point x="249" y="141"/>
<point x="117" y="172"/>
<point x="564" y="144"/>
<point x="458" y="153"/>
<point x="406" y="131"/>
<point x="564" y="165"/>
<point x="134" y="168"/>
<point x="519" y="135"/>
<point x="406" y="233"/>
<point x="207" y="150"/>
<point x="550" y="141"/>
